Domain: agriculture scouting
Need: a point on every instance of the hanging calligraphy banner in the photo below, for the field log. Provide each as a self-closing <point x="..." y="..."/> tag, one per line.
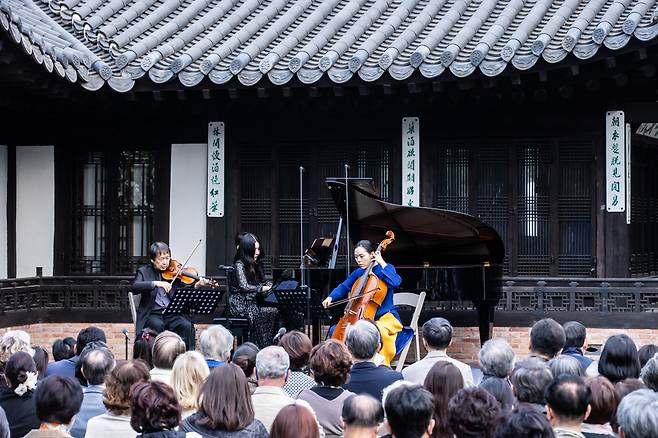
<point x="615" y="156"/>
<point x="215" y="191"/>
<point x="410" y="161"/>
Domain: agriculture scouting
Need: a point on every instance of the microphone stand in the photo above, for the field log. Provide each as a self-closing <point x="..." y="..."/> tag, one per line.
<point x="347" y="228"/>
<point x="125" y="336"/>
<point x="302" y="269"/>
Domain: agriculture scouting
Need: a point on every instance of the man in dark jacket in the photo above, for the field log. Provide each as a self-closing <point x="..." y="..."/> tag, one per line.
<point x="575" y="334"/>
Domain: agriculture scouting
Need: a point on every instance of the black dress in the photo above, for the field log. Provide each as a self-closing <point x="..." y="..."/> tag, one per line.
<point x="21" y="411"/>
<point x="263" y="321"/>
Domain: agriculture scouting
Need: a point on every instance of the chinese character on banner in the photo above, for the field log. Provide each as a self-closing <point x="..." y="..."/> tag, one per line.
<point x="615" y="154"/>
<point x="215" y="193"/>
<point x="410" y="161"/>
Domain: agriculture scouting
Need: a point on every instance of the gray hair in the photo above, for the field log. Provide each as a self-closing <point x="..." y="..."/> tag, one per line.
<point x="97" y="361"/>
<point x="272" y="363"/>
<point x="216" y="342"/>
<point x="636" y="416"/>
<point x="437" y="333"/>
<point x="497" y="358"/>
<point x="566" y="365"/>
<point x="649" y="373"/>
<point x="530" y="379"/>
<point x="362" y="339"/>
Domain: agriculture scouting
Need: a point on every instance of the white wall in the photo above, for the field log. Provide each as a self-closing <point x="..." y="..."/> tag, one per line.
<point x="35" y="209"/>
<point x="3" y="211"/>
<point x="187" y="203"/>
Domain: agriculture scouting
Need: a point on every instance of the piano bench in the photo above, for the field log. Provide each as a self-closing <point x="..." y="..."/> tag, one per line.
<point x="239" y="327"/>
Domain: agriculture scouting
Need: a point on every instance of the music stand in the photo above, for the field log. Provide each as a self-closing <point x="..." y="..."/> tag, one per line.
<point x="193" y="301"/>
<point x="292" y="300"/>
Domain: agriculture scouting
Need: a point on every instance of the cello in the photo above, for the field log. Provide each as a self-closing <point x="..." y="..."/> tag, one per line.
<point x="367" y="294"/>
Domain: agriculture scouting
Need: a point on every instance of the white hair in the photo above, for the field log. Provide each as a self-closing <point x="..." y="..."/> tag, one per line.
<point x="216" y="342"/>
<point x="272" y="363"/>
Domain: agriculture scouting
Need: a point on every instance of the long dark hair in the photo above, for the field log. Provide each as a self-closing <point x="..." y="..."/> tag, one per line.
<point x="245" y="254"/>
<point x="444" y="380"/>
<point x="224" y="400"/>
<point x="619" y="359"/>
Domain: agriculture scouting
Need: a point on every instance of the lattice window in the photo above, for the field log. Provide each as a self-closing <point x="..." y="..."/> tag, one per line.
<point x="644" y="211"/>
<point x="453" y="178"/>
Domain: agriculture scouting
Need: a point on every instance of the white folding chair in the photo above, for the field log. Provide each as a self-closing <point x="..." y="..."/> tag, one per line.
<point x="416" y="301"/>
<point x="133" y="302"/>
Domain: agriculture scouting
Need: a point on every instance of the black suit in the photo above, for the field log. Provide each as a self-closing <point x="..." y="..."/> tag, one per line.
<point x="368" y="378"/>
<point x="147" y="316"/>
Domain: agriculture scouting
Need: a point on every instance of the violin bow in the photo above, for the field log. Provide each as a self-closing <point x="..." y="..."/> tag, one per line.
<point x="185" y="262"/>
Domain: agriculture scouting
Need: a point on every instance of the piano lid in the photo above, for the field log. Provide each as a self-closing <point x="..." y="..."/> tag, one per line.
<point x="424" y="236"/>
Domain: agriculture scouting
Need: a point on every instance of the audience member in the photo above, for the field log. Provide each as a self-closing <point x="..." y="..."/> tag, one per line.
<point x="116" y="421"/>
<point x="627" y="386"/>
<point x="66" y="367"/>
<point x="524" y="421"/>
<point x="409" y="412"/>
<point x="295" y="421"/>
<point x="245" y="357"/>
<point x="473" y="412"/>
<point x="437" y="336"/>
<point x="649" y="373"/>
<point x="646" y="352"/>
<point x="57" y="400"/>
<point x="298" y="346"/>
<point x="575" y="337"/>
<point x="501" y="389"/>
<point x="565" y="365"/>
<point x="188" y="374"/>
<point x="546" y="339"/>
<point x="362" y="416"/>
<point x="363" y="341"/>
<point x="619" y="359"/>
<point x="637" y="415"/>
<point x="40" y="357"/>
<point x="12" y="342"/>
<point x="155" y="412"/>
<point x="529" y="381"/>
<point x="4" y="425"/>
<point x="603" y="406"/>
<point x="215" y="344"/>
<point x="63" y="350"/>
<point x="567" y="399"/>
<point x="225" y="408"/>
<point x="97" y="362"/>
<point x="496" y="359"/>
<point x="17" y="397"/>
<point x="166" y="348"/>
<point x="443" y="381"/>
<point x="330" y="362"/>
<point x="143" y="347"/>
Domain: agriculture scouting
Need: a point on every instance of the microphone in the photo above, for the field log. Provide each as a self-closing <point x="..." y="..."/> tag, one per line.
<point x="282" y="331"/>
<point x="225" y="267"/>
<point x="125" y="332"/>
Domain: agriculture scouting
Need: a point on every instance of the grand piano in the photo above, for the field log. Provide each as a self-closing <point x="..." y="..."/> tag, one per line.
<point x="451" y="255"/>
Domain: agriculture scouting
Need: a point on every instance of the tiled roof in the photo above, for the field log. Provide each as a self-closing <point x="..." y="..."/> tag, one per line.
<point x="120" y="41"/>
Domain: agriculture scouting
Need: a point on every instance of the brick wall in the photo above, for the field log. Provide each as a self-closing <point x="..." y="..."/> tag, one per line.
<point x="465" y="344"/>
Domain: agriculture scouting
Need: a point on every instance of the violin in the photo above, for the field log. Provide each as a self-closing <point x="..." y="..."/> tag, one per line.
<point x="186" y="274"/>
<point x="367" y="294"/>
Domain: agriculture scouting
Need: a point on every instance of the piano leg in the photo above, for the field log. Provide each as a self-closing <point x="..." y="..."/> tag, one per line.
<point x="485" y="312"/>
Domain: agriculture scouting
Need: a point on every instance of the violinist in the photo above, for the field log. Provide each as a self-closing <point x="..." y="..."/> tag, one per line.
<point x="387" y="318"/>
<point x="156" y="295"/>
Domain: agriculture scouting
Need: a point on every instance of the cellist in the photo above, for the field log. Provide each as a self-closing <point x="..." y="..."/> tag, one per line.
<point x="387" y="318"/>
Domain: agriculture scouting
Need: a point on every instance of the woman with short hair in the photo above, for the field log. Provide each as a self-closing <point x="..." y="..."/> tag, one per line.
<point x="188" y="374"/>
<point x="619" y="359"/>
<point x="57" y="400"/>
<point x="603" y="404"/>
<point x="298" y="346"/>
<point x="295" y="421"/>
<point x="16" y="398"/>
<point x="155" y="412"/>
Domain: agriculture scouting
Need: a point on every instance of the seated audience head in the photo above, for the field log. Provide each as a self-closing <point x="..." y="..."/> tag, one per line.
<point x="143" y="347"/>
<point x="12" y="342"/>
<point x="298" y="346"/>
<point x="295" y="421"/>
<point x="117" y="385"/>
<point x="603" y="400"/>
<point x="409" y="411"/>
<point x="245" y="357"/>
<point x="619" y="359"/>
<point x="224" y="400"/>
<point x="497" y="358"/>
<point x="473" y="412"/>
<point x="96" y="361"/>
<point x="361" y="416"/>
<point x="153" y="407"/>
<point x="41" y="360"/>
<point x="216" y="343"/>
<point x="58" y="399"/>
<point x="567" y="398"/>
<point x="524" y="421"/>
<point x="88" y="335"/>
<point x="627" y="386"/>
<point x="330" y="363"/>
<point x="646" y="352"/>
<point x="63" y="350"/>
<point x="546" y="338"/>
<point x="437" y="334"/>
<point x="21" y="371"/>
<point x="501" y="390"/>
<point x="443" y="381"/>
<point x="530" y="379"/>
<point x="649" y="373"/>
<point x="189" y="372"/>
<point x="637" y="415"/>
<point x="363" y="340"/>
<point x="272" y="364"/>
<point x="166" y="348"/>
<point x="565" y="365"/>
<point x="575" y="334"/>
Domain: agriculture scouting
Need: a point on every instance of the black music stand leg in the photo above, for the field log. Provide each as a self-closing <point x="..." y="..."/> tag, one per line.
<point x="485" y="311"/>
